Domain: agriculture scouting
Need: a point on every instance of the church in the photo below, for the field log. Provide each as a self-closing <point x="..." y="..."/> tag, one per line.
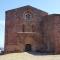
<point x="32" y="30"/>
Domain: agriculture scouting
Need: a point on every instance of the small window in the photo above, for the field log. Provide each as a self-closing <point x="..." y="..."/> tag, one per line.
<point x="27" y="16"/>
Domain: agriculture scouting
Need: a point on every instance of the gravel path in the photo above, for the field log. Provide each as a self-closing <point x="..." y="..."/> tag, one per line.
<point x="28" y="56"/>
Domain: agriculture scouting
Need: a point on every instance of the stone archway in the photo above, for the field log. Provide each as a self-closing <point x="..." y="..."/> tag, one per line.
<point x="28" y="47"/>
<point x="29" y="43"/>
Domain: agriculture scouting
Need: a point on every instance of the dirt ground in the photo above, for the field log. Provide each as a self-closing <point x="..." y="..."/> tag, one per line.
<point x="28" y="56"/>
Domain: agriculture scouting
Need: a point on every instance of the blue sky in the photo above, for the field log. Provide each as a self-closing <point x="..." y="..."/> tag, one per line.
<point x="50" y="6"/>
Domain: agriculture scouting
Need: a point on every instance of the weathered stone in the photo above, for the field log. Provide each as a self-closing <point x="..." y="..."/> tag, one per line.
<point x="35" y="28"/>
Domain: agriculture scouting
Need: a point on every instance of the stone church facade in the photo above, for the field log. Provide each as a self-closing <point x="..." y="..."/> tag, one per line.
<point x="30" y="29"/>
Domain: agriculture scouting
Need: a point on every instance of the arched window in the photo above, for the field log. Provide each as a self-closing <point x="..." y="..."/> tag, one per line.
<point x="33" y="28"/>
<point x="27" y="15"/>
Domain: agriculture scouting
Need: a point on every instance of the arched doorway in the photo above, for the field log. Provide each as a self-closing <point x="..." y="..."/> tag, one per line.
<point x="28" y="47"/>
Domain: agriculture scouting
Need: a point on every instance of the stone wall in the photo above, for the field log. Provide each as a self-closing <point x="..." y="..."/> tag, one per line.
<point x="21" y="30"/>
<point x="28" y="25"/>
<point x="51" y="34"/>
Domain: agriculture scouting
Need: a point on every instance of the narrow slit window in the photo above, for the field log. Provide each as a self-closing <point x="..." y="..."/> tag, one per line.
<point x="23" y="28"/>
